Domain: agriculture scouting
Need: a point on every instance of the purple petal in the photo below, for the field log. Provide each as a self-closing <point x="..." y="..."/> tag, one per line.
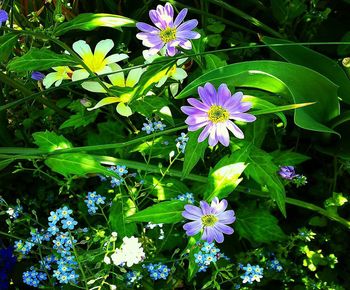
<point x="213" y="139"/>
<point x="223" y="228"/>
<point x="218" y="236"/>
<point x="149" y="40"/>
<point x="226" y="217"/>
<point x="146" y="27"/>
<point x="171" y="50"/>
<point x="186" y="44"/>
<point x="192" y="228"/>
<point x="186" y="34"/>
<point x="156" y="19"/>
<point x="190" y="110"/>
<point x="224" y="94"/>
<point x="243" y="117"/>
<point x="3" y="16"/>
<point x="196" y="119"/>
<point x="222" y="134"/>
<point x="234" y="129"/>
<point x="208" y="234"/>
<point x="210" y="90"/>
<point x="197" y="126"/>
<point x="245" y="106"/>
<point x="206" y="209"/>
<point x="205" y="97"/>
<point x="188" y="25"/>
<point x="198" y="104"/>
<point x="205" y="133"/>
<point x="219" y="206"/>
<point x="180" y="17"/>
<point x="193" y="210"/>
<point x="235" y="100"/>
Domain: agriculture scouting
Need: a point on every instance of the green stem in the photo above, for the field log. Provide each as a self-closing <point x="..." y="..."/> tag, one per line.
<point x="246" y="16"/>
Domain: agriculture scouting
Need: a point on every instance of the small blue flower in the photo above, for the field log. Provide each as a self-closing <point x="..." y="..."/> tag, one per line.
<point x="3" y="16"/>
<point x="37" y="76"/>
<point x="69" y="223"/>
<point x="116" y="181"/>
<point x="121" y="170"/>
<point x="157" y="271"/>
<point x="159" y="126"/>
<point x="148" y="127"/>
<point x="64" y="212"/>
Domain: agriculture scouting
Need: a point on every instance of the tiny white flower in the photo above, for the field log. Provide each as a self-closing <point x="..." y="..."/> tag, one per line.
<point x="107" y="260"/>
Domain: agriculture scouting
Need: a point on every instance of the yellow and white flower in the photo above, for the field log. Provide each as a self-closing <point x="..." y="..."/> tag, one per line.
<point x="97" y="62"/>
<point x="61" y="73"/>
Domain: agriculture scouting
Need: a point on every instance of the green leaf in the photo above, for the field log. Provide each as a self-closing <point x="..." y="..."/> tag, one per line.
<point x="167" y="212"/>
<point x="39" y="59"/>
<point x="258" y="226"/>
<point x="224" y="178"/>
<point x="90" y="21"/>
<point x="164" y="188"/>
<point x="80" y="119"/>
<point x="301" y="55"/>
<point x="122" y="208"/>
<point x="288" y="80"/>
<point x="283" y="158"/>
<point x="7" y="42"/>
<point x="6" y="162"/>
<point x="156" y="147"/>
<point x="193" y="152"/>
<point x="77" y="164"/>
<point x="50" y="141"/>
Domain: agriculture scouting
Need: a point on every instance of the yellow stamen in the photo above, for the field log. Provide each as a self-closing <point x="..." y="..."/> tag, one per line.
<point x="218" y="114"/>
<point x="168" y="34"/>
<point x="209" y="220"/>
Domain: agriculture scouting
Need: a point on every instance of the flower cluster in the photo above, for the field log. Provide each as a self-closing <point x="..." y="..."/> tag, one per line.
<point x="23" y="247"/>
<point x="121" y="170"/>
<point x="167" y="33"/>
<point x="288" y="173"/>
<point x="33" y="277"/>
<point x="188" y="197"/>
<point x="274" y="264"/>
<point x="157" y="271"/>
<point x="132" y="278"/>
<point x="252" y="273"/>
<point x="206" y="255"/>
<point x="215" y="112"/>
<point x="181" y="142"/>
<point x="130" y="253"/>
<point x="7" y="262"/>
<point x="15" y="212"/>
<point x="151" y="127"/>
<point x="92" y="200"/>
<point x="212" y="219"/>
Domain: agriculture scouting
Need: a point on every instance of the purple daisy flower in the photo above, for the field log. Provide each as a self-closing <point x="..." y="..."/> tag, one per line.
<point x="168" y="33"/>
<point x="212" y="219"/>
<point x="3" y="16"/>
<point x="37" y="76"/>
<point x="214" y="112"/>
<point x="287" y="172"/>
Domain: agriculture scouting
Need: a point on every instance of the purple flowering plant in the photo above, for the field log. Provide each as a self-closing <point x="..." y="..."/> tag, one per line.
<point x="162" y="145"/>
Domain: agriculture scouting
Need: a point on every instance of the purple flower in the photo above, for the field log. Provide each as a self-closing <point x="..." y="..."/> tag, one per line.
<point x="167" y="33"/>
<point x="287" y="172"/>
<point x="212" y="219"/>
<point x="37" y="76"/>
<point x="3" y="16"/>
<point x="214" y="112"/>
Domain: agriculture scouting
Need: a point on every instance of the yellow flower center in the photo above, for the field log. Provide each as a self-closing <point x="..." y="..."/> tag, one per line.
<point x="209" y="220"/>
<point x="168" y="34"/>
<point x="218" y="114"/>
<point x="96" y="62"/>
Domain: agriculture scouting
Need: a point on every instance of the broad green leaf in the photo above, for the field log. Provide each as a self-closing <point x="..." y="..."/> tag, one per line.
<point x="258" y="226"/>
<point x="280" y="109"/>
<point x="224" y="178"/>
<point x="164" y="188"/>
<point x="81" y="119"/>
<point x="7" y="42"/>
<point x="39" y="59"/>
<point x="156" y="147"/>
<point x="256" y="132"/>
<point x="285" y="158"/>
<point x="193" y="152"/>
<point x="307" y="57"/>
<point x="166" y="212"/>
<point x="6" y="162"/>
<point x="90" y="21"/>
<point x="79" y="164"/>
<point x="50" y="141"/>
<point x="212" y="62"/>
<point x="299" y="83"/>
<point x="122" y="208"/>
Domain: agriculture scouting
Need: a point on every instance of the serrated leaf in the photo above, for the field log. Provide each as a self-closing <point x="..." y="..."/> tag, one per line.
<point x="122" y="208"/>
<point x="7" y="42"/>
<point x="224" y="178"/>
<point x="164" y="212"/>
<point x="90" y="21"/>
<point x="50" y="141"/>
<point x="79" y="164"/>
<point x="39" y="59"/>
<point x="258" y="226"/>
<point x="193" y="152"/>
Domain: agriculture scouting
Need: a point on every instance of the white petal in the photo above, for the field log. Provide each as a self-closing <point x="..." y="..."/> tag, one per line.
<point x="94" y="87"/>
<point x="104" y="47"/>
<point x="133" y="77"/>
<point x="82" y="49"/>
<point x="79" y="74"/>
<point x="116" y="57"/>
<point x="179" y="75"/>
<point x="116" y="79"/>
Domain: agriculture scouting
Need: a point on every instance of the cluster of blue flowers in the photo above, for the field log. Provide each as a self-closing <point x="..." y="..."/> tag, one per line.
<point x="188" y="197"/>
<point x="252" y="273"/>
<point x="157" y="271"/>
<point x="132" y="278"/>
<point x="33" y="277"/>
<point x="15" y="212"/>
<point x="7" y="261"/>
<point x="274" y="264"/>
<point x="92" y="200"/>
<point x="181" y="142"/>
<point x="206" y="255"/>
<point x="153" y="126"/>
<point x="121" y="170"/>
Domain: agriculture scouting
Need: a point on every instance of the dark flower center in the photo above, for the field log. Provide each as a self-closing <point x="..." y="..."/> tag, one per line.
<point x="209" y="220"/>
<point x="168" y="34"/>
<point x="218" y="114"/>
